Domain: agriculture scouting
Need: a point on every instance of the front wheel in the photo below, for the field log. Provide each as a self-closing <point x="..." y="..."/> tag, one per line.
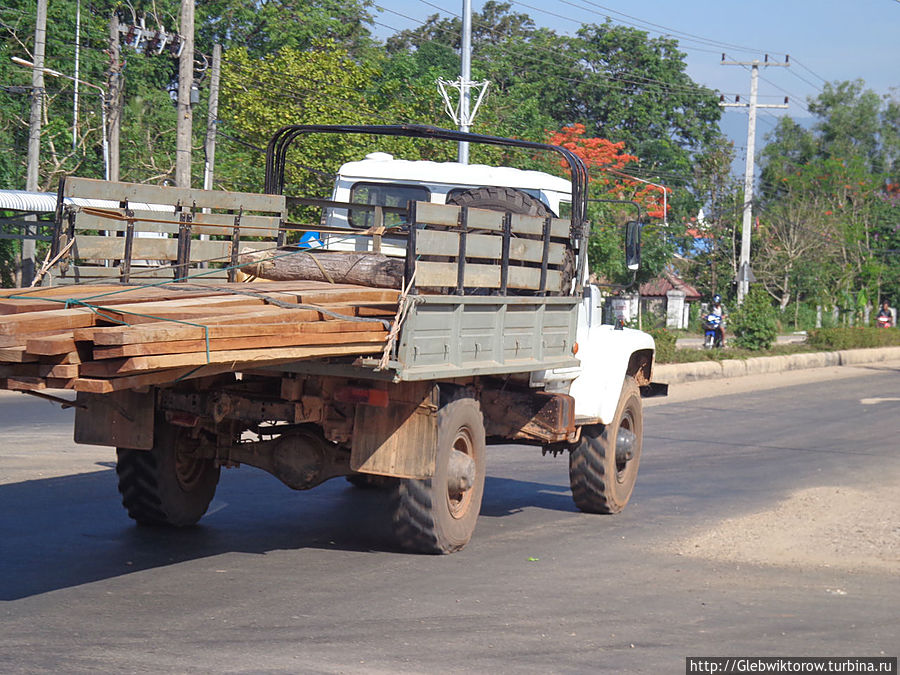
<point x="438" y="515"/>
<point x="169" y="484"/>
<point x="603" y="466"/>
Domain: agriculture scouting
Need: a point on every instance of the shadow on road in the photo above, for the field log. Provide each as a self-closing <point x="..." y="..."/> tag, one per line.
<point x="72" y="530"/>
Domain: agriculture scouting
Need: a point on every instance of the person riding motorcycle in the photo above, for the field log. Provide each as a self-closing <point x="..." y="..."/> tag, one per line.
<point x="885" y="318"/>
<point x="718" y="310"/>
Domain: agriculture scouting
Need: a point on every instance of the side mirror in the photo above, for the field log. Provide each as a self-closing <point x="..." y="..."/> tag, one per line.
<point x="633" y="244"/>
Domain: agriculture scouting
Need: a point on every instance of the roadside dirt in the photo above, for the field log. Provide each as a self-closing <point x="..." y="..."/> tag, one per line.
<point x="832" y="526"/>
<point x="841" y="527"/>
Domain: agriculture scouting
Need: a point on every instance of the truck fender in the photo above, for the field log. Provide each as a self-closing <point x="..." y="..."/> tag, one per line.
<point x="607" y="355"/>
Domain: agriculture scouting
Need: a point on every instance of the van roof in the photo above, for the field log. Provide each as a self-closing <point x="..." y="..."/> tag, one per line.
<point x="383" y="166"/>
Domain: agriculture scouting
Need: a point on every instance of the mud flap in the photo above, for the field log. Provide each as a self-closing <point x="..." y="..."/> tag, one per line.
<point x="122" y="419"/>
<point x="401" y="439"/>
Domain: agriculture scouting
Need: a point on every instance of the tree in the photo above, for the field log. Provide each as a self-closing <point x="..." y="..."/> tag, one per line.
<point x="605" y="161"/>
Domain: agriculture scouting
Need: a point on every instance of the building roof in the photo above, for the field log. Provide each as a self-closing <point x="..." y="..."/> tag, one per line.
<point x="666" y="282"/>
<point x="45" y="202"/>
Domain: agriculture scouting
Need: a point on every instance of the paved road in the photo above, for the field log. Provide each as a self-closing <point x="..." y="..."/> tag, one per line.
<point x="278" y="581"/>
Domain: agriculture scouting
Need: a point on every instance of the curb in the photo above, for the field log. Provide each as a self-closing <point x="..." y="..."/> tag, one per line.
<point x="677" y="373"/>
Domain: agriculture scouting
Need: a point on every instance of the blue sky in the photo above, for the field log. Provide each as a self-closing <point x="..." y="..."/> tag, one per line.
<point x="827" y="41"/>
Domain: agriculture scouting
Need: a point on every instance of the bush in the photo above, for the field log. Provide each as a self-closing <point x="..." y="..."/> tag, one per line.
<point x="852" y="338"/>
<point x="754" y="323"/>
<point x="665" y="344"/>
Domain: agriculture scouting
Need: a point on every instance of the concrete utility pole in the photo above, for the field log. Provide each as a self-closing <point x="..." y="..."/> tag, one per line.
<point x="34" y="133"/>
<point x="465" y="77"/>
<point x="75" y="80"/>
<point x="114" y="98"/>
<point x="744" y="269"/>
<point x="212" y="117"/>
<point x="185" y="83"/>
<point x="463" y="113"/>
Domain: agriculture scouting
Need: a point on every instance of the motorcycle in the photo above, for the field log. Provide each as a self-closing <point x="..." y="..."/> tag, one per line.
<point x="712" y="337"/>
<point x="883" y="322"/>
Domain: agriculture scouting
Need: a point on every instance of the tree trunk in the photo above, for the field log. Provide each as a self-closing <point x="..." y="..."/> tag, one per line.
<point x="365" y="269"/>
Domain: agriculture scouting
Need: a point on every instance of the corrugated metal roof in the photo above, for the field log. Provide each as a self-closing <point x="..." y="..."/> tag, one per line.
<point x="45" y="202"/>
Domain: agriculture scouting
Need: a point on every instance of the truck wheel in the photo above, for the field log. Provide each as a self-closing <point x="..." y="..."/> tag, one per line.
<point x="500" y="199"/>
<point x="604" y="465"/>
<point x="438" y="515"/>
<point x="166" y="485"/>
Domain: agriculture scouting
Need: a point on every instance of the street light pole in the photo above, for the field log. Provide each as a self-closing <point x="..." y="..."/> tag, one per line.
<point x="101" y="90"/>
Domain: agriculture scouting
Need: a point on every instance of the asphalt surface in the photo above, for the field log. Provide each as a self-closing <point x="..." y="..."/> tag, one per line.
<point x="280" y="581"/>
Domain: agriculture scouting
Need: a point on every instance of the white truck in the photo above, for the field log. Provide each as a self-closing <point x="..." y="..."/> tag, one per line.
<point x="498" y="339"/>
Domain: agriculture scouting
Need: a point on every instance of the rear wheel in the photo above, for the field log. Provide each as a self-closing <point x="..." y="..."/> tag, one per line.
<point x="603" y="466"/>
<point x="169" y="484"/>
<point x="438" y="515"/>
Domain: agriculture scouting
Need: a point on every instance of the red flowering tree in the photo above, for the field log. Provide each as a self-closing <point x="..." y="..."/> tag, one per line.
<point x="605" y="161"/>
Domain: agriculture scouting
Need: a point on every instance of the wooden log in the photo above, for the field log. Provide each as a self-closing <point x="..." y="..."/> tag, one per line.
<point x="366" y="269"/>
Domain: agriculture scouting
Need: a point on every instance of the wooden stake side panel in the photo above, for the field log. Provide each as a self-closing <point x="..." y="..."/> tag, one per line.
<point x="99" y="232"/>
<point x="166" y="222"/>
<point x="90" y="188"/>
<point x="441" y="238"/>
<point x="448" y="215"/>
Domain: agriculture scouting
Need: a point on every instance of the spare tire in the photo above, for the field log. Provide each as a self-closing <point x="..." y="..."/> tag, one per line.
<point x="500" y="199"/>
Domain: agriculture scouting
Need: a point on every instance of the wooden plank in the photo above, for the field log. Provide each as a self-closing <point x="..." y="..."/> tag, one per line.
<point x="23" y="383"/>
<point x="438" y="274"/>
<point x="16" y="355"/>
<point x="285" y="338"/>
<point x="447" y="215"/>
<point x="220" y="224"/>
<point x="256" y="357"/>
<point x="89" y="188"/>
<point x="154" y="333"/>
<point x="446" y="243"/>
<point x="96" y="247"/>
<point x="39" y="370"/>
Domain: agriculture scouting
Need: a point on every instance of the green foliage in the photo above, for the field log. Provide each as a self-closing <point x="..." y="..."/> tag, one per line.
<point x="853" y="338"/>
<point x="754" y="322"/>
<point x="665" y="344"/>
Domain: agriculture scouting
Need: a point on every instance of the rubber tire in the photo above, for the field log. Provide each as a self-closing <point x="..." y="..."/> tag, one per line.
<point x="152" y="491"/>
<point x="500" y="199"/>
<point x="599" y="485"/>
<point x="424" y="521"/>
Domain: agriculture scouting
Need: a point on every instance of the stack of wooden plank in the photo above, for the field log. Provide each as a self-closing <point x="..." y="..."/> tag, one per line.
<point x="107" y="338"/>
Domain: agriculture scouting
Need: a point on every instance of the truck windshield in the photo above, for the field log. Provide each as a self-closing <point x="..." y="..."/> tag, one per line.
<point x="383" y="194"/>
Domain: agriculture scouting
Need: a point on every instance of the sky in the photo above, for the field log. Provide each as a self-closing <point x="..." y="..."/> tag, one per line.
<point x="827" y="40"/>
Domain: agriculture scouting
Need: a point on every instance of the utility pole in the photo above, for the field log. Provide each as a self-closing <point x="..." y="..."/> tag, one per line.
<point x="212" y="117"/>
<point x="77" y="58"/>
<point x="113" y="101"/>
<point x="465" y="78"/>
<point x="185" y="82"/>
<point x="34" y="134"/>
<point x="463" y="113"/>
<point x="744" y="268"/>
